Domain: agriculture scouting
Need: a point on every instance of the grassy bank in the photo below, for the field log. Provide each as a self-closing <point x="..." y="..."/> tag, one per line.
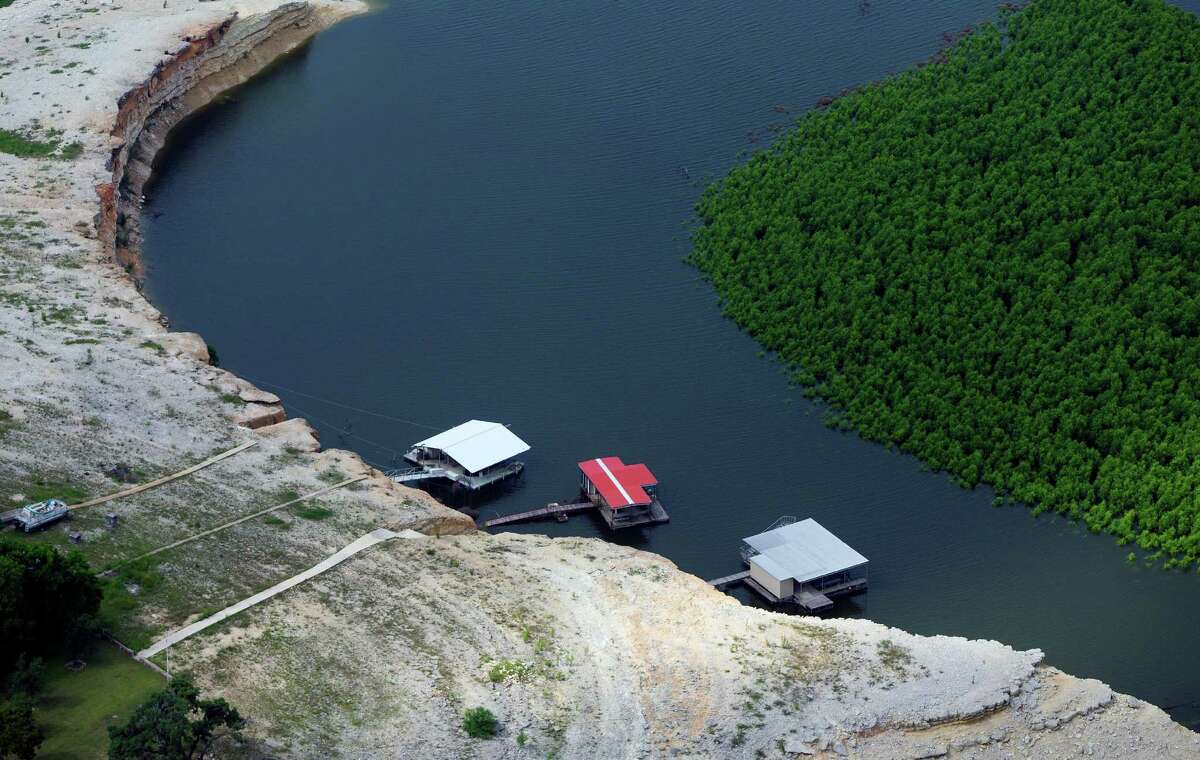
<point x="991" y="262"/>
<point x="76" y="708"/>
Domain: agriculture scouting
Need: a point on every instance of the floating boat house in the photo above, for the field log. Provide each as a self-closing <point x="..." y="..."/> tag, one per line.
<point x="624" y="494"/>
<point x="801" y="562"/>
<point x="474" y="454"/>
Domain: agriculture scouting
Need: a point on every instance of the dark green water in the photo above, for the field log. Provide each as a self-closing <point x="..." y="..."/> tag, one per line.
<point x="447" y="210"/>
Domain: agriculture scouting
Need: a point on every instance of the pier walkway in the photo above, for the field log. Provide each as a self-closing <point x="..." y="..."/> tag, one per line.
<point x="550" y="510"/>
<point x="729" y="580"/>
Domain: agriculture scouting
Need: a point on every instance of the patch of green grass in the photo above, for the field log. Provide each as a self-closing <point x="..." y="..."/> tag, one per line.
<point x="286" y="495"/>
<point x="76" y="708"/>
<point x="894" y="657"/>
<point x="331" y="476"/>
<point x="41" y="487"/>
<point x="25" y="146"/>
<point x="64" y="314"/>
<point x="233" y="398"/>
<point x="80" y="341"/>
<point x="277" y="522"/>
<point x="152" y="346"/>
<point x="120" y="601"/>
<point x="312" y="512"/>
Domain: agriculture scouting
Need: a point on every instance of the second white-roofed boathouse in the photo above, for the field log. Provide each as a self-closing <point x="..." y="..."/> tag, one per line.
<point x="803" y="563"/>
<point x="474" y="454"/>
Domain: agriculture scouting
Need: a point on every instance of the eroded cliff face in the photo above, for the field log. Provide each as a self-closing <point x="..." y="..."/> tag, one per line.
<point x="583" y="648"/>
<point x="206" y="64"/>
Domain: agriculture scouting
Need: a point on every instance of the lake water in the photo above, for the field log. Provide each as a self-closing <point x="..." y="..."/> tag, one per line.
<point x="444" y="210"/>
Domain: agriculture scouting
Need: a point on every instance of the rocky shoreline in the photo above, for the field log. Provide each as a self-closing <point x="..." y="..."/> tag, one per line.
<point x="586" y="648"/>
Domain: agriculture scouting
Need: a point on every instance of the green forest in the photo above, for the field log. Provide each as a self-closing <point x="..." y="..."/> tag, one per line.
<point x="993" y="261"/>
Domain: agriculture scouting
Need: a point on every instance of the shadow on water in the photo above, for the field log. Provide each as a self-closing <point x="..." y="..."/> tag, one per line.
<point x="448" y="211"/>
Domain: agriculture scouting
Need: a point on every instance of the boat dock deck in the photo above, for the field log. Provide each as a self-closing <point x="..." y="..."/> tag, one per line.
<point x="808" y="597"/>
<point x="550" y="510"/>
<point x="653" y="514"/>
<point x="432" y="470"/>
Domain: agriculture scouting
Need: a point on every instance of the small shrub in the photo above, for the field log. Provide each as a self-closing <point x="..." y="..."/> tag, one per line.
<point x="152" y="346"/>
<point x="506" y="669"/>
<point x="480" y="723"/>
<point x="522" y="739"/>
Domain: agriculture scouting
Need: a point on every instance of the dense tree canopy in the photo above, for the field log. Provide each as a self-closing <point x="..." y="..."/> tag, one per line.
<point x="44" y="596"/>
<point x="174" y="724"/>
<point x="992" y="262"/>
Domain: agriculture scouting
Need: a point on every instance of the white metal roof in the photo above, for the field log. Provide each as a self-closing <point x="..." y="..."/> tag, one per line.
<point x="803" y="550"/>
<point x="476" y="444"/>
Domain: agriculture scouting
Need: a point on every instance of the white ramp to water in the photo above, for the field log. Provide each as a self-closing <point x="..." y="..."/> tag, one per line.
<point x="348" y="551"/>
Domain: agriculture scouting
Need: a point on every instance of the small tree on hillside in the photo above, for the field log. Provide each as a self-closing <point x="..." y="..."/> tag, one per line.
<point x="479" y="723"/>
<point x="174" y="724"/>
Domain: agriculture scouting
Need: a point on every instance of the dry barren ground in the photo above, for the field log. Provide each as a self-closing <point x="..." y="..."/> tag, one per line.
<point x="582" y="648"/>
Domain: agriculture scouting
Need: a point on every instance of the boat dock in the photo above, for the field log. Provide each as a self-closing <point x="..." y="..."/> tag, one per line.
<point x="474" y="454"/>
<point x="625" y="495"/>
<point x="799" y="562"/>
<point x="552" y="510"/>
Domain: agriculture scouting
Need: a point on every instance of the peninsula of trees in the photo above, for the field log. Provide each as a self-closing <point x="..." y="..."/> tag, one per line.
<point x="993" y="262"/>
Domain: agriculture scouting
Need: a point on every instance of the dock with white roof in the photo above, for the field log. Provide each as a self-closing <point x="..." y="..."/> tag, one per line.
<point x="474" y="454"/>
<point x="799" y="562"/>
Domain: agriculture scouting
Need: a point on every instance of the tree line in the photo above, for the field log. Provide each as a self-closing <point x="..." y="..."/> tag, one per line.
<point x="991" y="262"/>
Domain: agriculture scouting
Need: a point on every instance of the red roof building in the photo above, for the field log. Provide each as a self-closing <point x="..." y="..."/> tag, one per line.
<point x="624" y="492"/>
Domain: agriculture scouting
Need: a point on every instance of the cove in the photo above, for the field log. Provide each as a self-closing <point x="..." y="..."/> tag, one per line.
<point x="453" y="210"/>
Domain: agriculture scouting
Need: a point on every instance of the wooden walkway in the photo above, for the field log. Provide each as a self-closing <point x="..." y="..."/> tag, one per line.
<point x="729" y="580"/>
<point x="550" y="510"/>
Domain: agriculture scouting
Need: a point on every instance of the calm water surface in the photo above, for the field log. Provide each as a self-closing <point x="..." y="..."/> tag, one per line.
<point x="447" y="210"/>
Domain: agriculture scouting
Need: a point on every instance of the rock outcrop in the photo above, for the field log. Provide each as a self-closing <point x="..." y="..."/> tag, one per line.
<point x="582" y="648"/>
